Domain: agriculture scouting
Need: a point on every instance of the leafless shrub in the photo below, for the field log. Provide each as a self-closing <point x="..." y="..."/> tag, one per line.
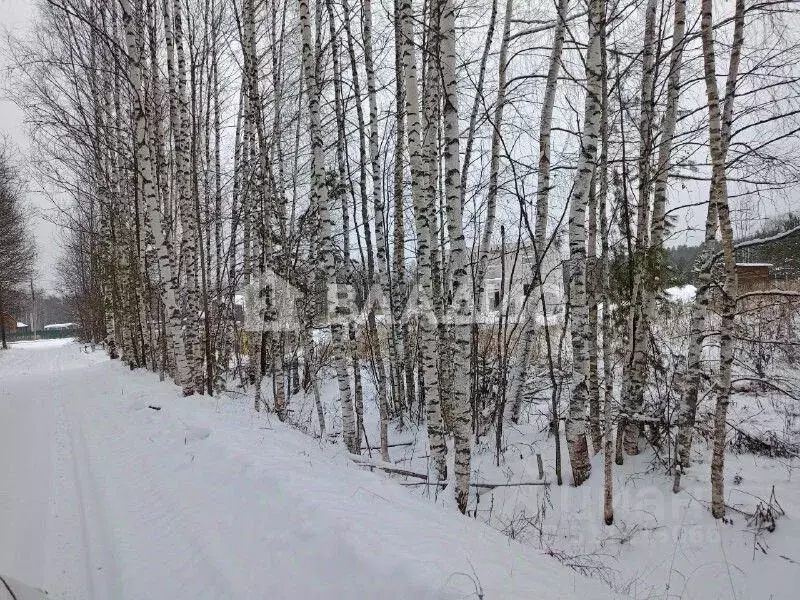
<point x="763" y="521"/>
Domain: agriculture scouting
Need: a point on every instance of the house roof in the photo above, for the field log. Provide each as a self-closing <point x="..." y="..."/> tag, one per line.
<point x="59" y="326"/>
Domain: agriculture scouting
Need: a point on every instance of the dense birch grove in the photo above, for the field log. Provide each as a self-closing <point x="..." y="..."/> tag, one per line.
<point x="268" y="196"/>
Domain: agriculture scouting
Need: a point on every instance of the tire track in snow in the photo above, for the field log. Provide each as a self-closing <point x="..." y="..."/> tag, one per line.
<point x="98" y="560"/>
<point x="143" y="517"/>
<point x="27" y="425"/>
<point x="96" y="548"/>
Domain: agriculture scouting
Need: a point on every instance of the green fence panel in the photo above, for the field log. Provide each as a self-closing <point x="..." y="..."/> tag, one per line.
<point x="46" y="334"/>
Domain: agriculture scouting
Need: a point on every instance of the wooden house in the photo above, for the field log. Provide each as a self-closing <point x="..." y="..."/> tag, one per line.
<point x="753" y="275"/>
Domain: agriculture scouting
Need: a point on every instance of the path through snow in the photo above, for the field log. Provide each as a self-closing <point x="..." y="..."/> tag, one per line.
<point x="102" y="497"/>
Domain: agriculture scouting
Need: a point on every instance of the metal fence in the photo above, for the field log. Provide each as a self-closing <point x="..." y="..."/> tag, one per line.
<point x="45" y="334"/>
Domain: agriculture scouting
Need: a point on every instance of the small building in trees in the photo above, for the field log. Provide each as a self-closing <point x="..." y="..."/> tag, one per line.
<point x="60" y="330"/>
<point x="753" y="275"/>
<point x="511" y="278"/>
<point x="61" y="327"/>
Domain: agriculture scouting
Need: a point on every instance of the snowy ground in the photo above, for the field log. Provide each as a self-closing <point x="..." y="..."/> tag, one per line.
<point x="661" y="545"/>
<point x="103" y="497"/>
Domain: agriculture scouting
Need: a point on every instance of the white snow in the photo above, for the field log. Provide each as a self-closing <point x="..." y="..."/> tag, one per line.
<point x="102" y="496"/>
<point x="681" y="294"/>
<point x="21" y="324"/>
<point x="661" y="545"/>
<point x="59" y="326"/>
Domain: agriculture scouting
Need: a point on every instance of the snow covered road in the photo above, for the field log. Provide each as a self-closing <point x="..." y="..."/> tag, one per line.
<point x="102" y="497"/>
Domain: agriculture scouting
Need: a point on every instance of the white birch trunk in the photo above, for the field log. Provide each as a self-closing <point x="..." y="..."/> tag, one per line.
<point x="460" y="292"/>
<point x="519" y="373"/>
<point x="576" y="420"/>
<point x="145" y="164"/>
<point x="420" y="178"/>
<point x="687" y="405"/>
<point x="188" y="214"/>
<point x="604" y="296"/>
<point x="718" y="145"/>
<point x="319" y="195"/>
<point x="179" y="125"/>
<point x="381" y="243"/>
<point x="404" y="378"/>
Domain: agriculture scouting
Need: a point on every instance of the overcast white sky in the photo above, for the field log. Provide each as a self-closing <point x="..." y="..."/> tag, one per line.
<point x="16" y="17"/>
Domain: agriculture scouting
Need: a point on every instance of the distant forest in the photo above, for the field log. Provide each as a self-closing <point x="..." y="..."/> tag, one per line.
<point x="783" y="254"/>
<point x="46" y="308"/>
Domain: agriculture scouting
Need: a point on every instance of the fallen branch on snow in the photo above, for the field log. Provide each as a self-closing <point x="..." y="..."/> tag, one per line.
<point x="772" y="446"/>
<point x="397" y="445"/>
<point x="377" y="464"/>
<point x="389" y="468"/>
<point x="766" y="382"/>
<point x="482" y="484"/>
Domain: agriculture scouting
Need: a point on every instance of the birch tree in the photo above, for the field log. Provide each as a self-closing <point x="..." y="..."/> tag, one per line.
<point x="720" y="129"/>
<point x="520" y="374"/>
<point x="632" y="383"/>
<point x="319" y="199"/>
<point x="576" y="421"/>
<point x="420" y="185"/>
<point x="144" y="157"/>
<point x="719" y="195"/>
<point x="461" y="297"/>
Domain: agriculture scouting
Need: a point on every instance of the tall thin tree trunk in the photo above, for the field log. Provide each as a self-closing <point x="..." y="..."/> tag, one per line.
<point x="460" y="292"/>
<point x="381" y="245"/>
<point x="634" y="372"/>
<point x="145" y="164"/>
<point x="319" y="199"/>
<point x="404" y="367"/>
<point x="422" y="198"/>
<point x="718" y="144"/>
<point x="519" y="374"/>
<point x="592" y="282"/>
<point x="479" y="285"/>
<point x="604" y="281"/>
<point x="188" y="215"/>
<point x="576" y="421"/>
<point x="687" y="406"/>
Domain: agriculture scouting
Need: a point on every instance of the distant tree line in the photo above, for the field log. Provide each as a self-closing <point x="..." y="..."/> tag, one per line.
<point x="17" y="250"/>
